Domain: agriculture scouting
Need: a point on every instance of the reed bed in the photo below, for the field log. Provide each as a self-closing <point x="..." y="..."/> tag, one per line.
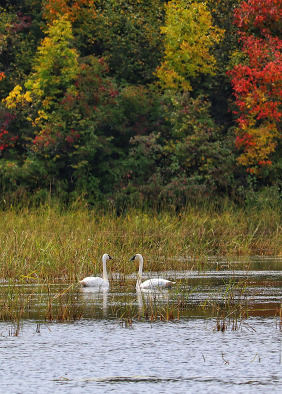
<point x="50" y="245"/>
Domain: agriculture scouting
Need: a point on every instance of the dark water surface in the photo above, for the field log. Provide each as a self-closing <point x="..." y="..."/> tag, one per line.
<point x="217" y="331"/>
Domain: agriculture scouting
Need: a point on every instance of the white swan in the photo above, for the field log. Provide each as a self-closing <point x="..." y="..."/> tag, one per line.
<point x="150" y="284"/>
<point x="97" y="282"/>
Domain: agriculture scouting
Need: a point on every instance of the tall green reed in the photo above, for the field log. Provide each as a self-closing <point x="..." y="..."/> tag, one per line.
<point x="47" y="244"/>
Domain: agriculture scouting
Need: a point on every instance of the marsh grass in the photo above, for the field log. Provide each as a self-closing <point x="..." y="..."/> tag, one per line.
<point x="230" y="308"/>
<point x="13" y="302"/>
<point x="49" y="245"/>
<point x="150" y="307"/>
<point x="63" y="306"/>
<point x="19" y="302"/>
<point x="233" y="308"/>
<point x="279" y="315"/>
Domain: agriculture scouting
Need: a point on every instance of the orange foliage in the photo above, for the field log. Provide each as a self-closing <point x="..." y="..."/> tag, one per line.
<point x="52" y="9"/>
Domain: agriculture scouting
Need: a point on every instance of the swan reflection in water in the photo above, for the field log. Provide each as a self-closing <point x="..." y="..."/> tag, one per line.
<point x="91" y="294"/>
<point x="147" y="301"/>
<point x="150" y="300"/>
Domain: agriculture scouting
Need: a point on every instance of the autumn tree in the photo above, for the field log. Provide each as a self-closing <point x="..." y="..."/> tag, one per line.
<point x="81" y="13"/>
<point x="189" y="35"/>
<point x="256" y="79"/>
<point x="78" y="11"/>
<point x="54" y="72"/>
<point x="129" y="99"/>
<point x="124" y="32"/>
<point x="38" y="102"/>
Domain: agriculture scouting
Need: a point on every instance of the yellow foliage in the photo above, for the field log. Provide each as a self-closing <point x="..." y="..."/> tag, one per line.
<point x="263" y="143"/>
<point x="16" y="97"/>
<point x="41" y="116"/>
<point x="172" y="79"/>
<point x="189" y="36"/>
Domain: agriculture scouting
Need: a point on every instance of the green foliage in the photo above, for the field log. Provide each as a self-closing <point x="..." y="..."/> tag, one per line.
<point x="127" y="33"/>
<point x="218" y="86"/>
<point x="17" y="45"/>
<point x="187" y="160"/>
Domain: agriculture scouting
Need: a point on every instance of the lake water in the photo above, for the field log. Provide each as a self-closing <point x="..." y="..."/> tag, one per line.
<point x="217" y="331"/>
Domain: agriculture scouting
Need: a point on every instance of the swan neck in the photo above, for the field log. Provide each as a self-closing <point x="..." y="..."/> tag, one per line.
<point x="139" y="275"/>
<point x="138" y="286"/>
<point x="105" y="274"/>
<point x="140" y="268"/>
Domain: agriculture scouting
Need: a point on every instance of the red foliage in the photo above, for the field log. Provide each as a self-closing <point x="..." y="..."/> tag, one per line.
<point x="257" y="86"/>
<point x="264" y="15"/>
<point x="245" y="140"/>
<point x="21" y="23"/>
<point x="6" y="140"/>
<point x="48" y="140"/>
<point x="257" y="83"/>
<point x="72" y="137"/>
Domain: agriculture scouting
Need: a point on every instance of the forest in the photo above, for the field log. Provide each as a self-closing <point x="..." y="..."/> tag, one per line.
<point x="122" y="102"/>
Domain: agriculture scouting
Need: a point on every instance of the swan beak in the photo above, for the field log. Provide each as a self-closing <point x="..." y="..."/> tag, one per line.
<point x="132" y="258"/>
<point x="110" y="258"/>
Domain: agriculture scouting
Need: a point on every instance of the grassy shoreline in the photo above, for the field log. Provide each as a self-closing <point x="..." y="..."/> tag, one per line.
<point x="47" y="244"/>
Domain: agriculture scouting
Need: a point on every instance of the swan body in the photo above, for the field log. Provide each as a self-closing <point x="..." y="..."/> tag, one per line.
<point x="91" y="281"/>
<point x="150" y="284"/>
<point x="156" y="283"/>
<point x="97" y="282"/>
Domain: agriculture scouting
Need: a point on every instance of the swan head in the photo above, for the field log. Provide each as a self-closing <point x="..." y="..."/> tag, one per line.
<point x="137" y="257"/>
<point x="106" y="256"/>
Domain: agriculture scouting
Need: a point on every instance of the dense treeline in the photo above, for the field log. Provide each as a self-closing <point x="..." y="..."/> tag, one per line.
<point x="149" y="101"/>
